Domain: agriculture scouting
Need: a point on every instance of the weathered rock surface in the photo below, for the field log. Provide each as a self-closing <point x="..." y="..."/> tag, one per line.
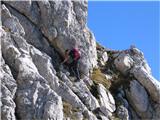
<point x="62" y="23"/>
<point x="122" y="113"/>
<point x="85" y="95"/>
<point x="138" y="98"/>
<point x="8" y="90"/>
<point x="102" y="57"/>
<point x="144" y="92"/>
<point x="123" y="63"/>
<point x="34" y="98"/>
<point x="107" y="103"/>
<point x="149" y="82"/>
<point x="11" y="22"/>
<point x="34" y="36"/>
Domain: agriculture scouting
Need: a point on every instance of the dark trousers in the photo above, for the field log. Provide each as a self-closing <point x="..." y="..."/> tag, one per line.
<point x="74" y="68"/>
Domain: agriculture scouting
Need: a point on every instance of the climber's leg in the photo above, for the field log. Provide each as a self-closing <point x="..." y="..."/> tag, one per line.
<point x="71" y="69"/>
<point x="75" y="68"/>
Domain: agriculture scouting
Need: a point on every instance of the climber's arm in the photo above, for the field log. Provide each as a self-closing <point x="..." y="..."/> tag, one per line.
<point x="66" y="59"/>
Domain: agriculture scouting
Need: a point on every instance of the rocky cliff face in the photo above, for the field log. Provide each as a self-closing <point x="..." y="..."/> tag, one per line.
<point x="34" y="36"/>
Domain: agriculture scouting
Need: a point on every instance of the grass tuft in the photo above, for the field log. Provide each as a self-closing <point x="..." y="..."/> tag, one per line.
<point x="98" y="77"/>
<point x="69" y="111"/>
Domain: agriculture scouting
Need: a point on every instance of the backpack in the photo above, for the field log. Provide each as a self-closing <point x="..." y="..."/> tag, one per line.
<point x="74" y="53"/>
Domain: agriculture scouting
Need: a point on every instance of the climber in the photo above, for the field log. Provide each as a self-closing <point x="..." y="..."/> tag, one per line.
<point x="72" y="59"/>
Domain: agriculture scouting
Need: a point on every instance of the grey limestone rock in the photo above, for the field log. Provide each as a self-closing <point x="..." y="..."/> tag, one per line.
<point x="138" y="98"/>
<point x="34" y="37"/>
<point x="123" y="63"/>
<point x="107" y="103"/>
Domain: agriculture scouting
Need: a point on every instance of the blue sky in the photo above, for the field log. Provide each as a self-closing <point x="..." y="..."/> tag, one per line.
<point x="117" y="25"/>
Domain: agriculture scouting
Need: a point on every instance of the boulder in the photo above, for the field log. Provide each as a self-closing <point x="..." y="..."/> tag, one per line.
<point x="68" y="95"/>
<point x="123" y="63"/>
<point x="149" y="82"/>
<point x="122" y="113"/>
<point x="105" y="57"/>
<point x="102" y="57"/>
<point x="139" y="59"/>
<point x="139" y="100"/>
<point x="107" y="103"/>
<point x="85" y="95"/>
